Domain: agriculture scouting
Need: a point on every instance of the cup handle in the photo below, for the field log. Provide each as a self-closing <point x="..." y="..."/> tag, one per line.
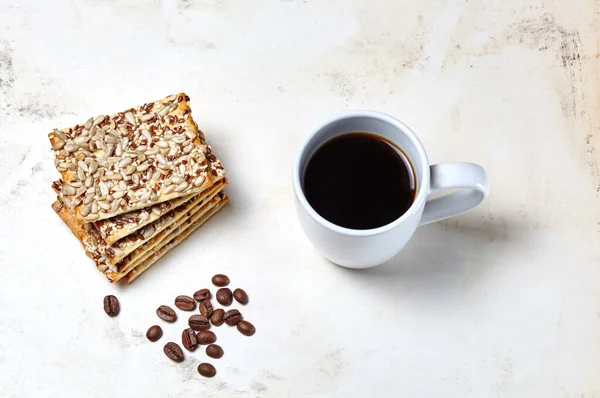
<point x="471" y="183"/>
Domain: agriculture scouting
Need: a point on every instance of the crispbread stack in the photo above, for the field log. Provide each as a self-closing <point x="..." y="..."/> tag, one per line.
<point x="135" y="184"/>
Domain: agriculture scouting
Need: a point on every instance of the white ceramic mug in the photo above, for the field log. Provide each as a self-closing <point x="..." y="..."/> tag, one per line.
<point x="367" y="248"/>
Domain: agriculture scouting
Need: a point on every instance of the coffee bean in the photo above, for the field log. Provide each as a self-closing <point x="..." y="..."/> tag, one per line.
<point x="154" y="333"/>
<point x="206" y="308"/>
<point x="217" y="317"/>
<point x="224" y="296"/>
<point x="207" y="370"/>
<point x="166" y="313"/>
<point x="189" y="339"/>
<point x="198" y="322"/>
<point x="232" y="317"/>
<point x="185" y="303"/>
<point x="173" y="351"/>
<point x="111" y="305"/>
<point x="220" y="280"/>
<point x="214" y="351"/>
<point x="245" y="328"/>
<point x="202" y="294"/>
<point x="206" y="337"/>
<point x="240" y="296"/>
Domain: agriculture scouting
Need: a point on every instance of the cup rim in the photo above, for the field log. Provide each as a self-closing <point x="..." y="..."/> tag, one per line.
<point x="422" y="185"/>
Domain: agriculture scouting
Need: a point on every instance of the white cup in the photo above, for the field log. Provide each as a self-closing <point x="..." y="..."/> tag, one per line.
<point x="354" y="248"/>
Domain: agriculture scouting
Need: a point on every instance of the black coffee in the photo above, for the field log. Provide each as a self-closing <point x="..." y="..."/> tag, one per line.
<point x="359" y="181"/>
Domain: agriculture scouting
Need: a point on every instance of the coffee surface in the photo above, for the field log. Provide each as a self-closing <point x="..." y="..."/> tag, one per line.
<point x="359" y="181"/>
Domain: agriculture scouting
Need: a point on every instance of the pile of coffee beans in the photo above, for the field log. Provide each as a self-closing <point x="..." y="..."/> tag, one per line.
<point x="197" y="334"/>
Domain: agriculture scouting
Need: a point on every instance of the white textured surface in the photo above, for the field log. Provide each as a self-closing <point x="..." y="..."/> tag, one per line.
<point x="501" y="302"/>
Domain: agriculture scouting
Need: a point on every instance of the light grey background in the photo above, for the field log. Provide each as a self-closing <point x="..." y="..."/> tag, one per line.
<point x="501" y="302"/>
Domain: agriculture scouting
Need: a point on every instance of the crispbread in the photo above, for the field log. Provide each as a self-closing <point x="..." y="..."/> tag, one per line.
<point x="192" y="225"/>
<point x="112" y="165"/>
<point x="108" y="257"/>
<point x="146" y="250"/>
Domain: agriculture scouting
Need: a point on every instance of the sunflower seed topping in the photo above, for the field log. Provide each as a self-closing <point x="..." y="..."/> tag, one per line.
<point x="80" y="174"/>
<point x="115" y="177"/>
<point x="114" y="205"/>
<point x="69" y="190"/>
<point x="116" y="164"/>
<point x="103" y="188"/>
<point x="71" y="147"/>
<point x="93" y="167"/>
<point x="147" y="117"/>
<point x="181" y="187"/>
<point x="173" y="152"/>
<point x="125" y="162"/>
<point x="199" y="181"/>
<point x="161" y="159"/>
<point x="143" y="167"/>
<point x="59" y="144"/>
<point x="163" y="111"/>
<point x="83" y="166"/>
<point x="85" y="210"/>
<point x="98" y="119"/>
<point x="130" y="118"/>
